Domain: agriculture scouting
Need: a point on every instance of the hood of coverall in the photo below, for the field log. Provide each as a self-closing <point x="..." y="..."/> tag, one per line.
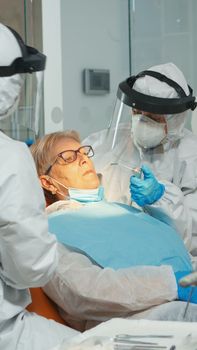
<point x="161" y="90"/>
<point x="153" y="87"/>
<point x="17" y="59"/>
<point x="10" y="86"/>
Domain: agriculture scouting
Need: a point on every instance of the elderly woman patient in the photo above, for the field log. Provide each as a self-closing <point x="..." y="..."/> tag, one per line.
<point x="115" y="261"/>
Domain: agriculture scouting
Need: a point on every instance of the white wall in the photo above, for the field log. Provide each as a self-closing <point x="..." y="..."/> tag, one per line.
<point x="165" y="31"/>
<point x="94" y="35"/>
<point x="80" y="34"/>
<point x="53" y="100"/>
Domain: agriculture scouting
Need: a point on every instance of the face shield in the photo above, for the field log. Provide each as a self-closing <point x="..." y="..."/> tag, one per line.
<point x="150" y="109"/>
<point x="20" y="93"/>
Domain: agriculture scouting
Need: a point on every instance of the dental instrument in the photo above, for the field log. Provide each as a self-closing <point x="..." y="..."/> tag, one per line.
<point x="144" y="336"/>
<point x="188" y="302"/>
<point x="137" y="171"/>
<point x="186" y="281"/>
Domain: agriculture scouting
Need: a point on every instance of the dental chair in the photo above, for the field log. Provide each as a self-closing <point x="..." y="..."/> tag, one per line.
<point x="44" y="306"/>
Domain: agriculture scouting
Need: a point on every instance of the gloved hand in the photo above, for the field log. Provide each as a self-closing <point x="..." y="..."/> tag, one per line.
<point x="147" y="190"/>
<point x="184" y="292"/>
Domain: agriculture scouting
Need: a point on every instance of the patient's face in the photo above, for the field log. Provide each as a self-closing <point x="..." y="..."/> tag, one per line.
<point x="78" y="174"/>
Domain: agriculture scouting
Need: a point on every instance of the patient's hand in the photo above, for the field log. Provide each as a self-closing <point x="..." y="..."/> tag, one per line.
<point x="63" y="205"/>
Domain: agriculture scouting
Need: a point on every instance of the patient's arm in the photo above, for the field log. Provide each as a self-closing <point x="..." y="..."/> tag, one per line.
<point x="86" y="291"/>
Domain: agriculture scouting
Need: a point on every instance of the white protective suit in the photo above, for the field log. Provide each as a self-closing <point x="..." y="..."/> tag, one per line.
<point x="97" y="294"/>
<point x="28" y="253"/>
<point x="174" y="164"/>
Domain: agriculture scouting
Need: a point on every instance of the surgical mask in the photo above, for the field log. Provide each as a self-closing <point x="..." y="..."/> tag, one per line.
<point x="147" y="133"/>
<point x="92" y="195"/>
<point x="81" y="195"/>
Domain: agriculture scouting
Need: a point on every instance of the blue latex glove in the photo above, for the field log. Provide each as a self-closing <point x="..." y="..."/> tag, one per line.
<point x="29" y="142"/>
<point x="147" y="190"/>
<point x="183" y="292"/>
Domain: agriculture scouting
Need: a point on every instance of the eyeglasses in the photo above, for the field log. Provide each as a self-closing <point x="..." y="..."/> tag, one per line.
<point x="69" y="156"/>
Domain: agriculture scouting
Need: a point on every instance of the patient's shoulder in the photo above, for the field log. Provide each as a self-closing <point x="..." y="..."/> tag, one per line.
<point x="63" y="205"/>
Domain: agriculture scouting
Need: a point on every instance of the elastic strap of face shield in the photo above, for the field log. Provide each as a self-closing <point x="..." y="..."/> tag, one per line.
<point x="153" y="104"/>
<point x="31" y="61"/>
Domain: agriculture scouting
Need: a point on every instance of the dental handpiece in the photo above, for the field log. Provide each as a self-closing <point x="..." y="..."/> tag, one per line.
<point x="136" y="171"/>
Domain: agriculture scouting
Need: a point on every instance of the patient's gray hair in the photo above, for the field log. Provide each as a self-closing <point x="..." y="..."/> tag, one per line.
<point x="42" y="150"/>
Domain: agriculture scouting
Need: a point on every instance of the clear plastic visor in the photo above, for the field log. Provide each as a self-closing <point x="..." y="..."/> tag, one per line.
<point x="25" y="122"/>
<point x="117" y="149"/>
<point x="124" y="120"/>
<point x="121" y="122"/>
<point x="130" y="128"/>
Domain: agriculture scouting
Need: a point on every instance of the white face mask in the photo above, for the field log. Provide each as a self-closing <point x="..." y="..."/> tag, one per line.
<point x="81" y="195"/>
<point x="147" y="133"/>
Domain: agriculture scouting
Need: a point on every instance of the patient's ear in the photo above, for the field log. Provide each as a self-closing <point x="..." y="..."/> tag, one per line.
<point x="47" y="184"/>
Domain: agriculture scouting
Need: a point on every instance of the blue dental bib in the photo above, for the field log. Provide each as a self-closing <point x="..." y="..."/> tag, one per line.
<point x="118" y="236"/>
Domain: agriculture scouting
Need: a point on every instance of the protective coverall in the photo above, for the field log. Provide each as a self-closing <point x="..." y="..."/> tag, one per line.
<point x="28" y="253"/>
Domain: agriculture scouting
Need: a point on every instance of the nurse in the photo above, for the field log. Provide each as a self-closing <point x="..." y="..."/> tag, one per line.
<point x="28" y="253"/>
<point x="148" y="130"/>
